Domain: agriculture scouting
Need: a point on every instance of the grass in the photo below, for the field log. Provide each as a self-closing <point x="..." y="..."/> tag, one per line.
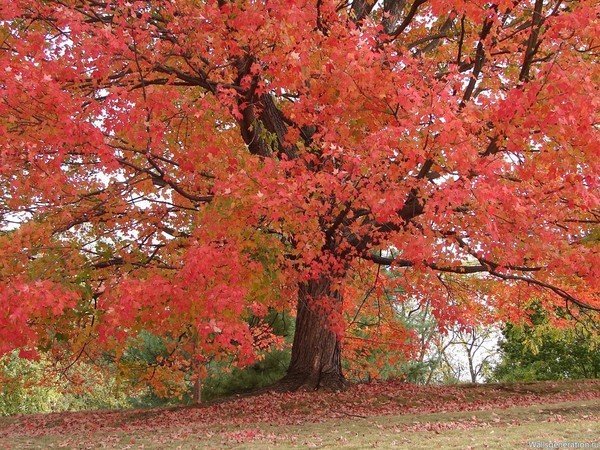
<point x="493" y="416"/>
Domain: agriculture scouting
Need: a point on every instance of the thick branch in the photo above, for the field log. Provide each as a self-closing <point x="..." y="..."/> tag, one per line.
<point x="479" y="61"/>
<point x="397" y="262"/>
<point x="360" y="9"/>
<point x="465" y="270"/>
<point x="160" y="179"/>
<point x="533" y="41"/>
<point x="558" y="291"/>
<point x="408" y="19"/>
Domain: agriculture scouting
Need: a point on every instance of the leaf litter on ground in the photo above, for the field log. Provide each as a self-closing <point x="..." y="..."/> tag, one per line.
<point x="247" y="418"/>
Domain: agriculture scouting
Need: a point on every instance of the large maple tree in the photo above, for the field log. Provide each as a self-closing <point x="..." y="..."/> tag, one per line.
<point x="180" y="166"/>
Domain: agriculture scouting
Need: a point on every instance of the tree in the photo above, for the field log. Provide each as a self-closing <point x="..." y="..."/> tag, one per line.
<point x="179" y="166"/>
<point x="466" y="354"/>
<point x="460" y="353"/>
<point x="536" y="349"/>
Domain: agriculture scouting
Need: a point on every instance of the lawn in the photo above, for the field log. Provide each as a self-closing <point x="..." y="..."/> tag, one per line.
<point x="376" y="415"/>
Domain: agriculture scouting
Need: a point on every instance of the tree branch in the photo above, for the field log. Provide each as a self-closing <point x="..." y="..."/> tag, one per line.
<point x="408" y="19"/>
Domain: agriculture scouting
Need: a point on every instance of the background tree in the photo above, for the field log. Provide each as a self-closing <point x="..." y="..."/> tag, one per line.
<point x="181" y="166"/>
<point x="465" y="354"/>
<point x="536" y="349"/>
<point x="455" y="354"/>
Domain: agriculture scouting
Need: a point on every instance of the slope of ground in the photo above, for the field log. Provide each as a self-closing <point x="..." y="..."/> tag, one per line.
<point x="384" y="415"/>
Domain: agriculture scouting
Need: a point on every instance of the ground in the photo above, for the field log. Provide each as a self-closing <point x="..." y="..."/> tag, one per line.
<point x="376" y="415"/>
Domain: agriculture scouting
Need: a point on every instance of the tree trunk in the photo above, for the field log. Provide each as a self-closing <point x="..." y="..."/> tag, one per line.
<point x="197" y="365"/>
<point x="197" y="391"/>
<point x="316" y="352"/>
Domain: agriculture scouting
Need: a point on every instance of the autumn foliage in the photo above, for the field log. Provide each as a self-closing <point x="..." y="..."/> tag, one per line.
<point x="182" y="166"/>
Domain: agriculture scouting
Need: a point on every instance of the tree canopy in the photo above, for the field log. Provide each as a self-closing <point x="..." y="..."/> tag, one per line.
<point x="182" y="166"/>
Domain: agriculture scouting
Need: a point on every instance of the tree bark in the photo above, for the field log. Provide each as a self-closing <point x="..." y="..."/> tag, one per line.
<point x="197" y="391"/>
<point x="316" y="352"/>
